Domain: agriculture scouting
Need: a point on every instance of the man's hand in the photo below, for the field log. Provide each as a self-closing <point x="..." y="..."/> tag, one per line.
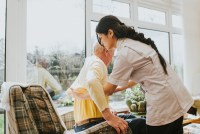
<point x="118" y="123"/>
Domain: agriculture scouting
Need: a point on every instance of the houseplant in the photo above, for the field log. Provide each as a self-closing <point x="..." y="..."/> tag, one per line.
<point x="135" y="100"/>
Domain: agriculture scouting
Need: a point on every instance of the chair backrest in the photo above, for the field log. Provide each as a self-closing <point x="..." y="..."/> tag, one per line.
<point x="102" y="128"/>
<point x="33" y="111"/>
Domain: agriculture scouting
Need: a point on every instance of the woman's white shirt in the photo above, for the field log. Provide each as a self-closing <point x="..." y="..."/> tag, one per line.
<point x="167" y="98"/>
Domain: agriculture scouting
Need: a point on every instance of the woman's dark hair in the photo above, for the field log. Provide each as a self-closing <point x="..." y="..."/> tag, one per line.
<point x="122" y="31"/>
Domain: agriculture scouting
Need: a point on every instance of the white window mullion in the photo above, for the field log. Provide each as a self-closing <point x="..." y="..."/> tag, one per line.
<point x="153" y="26"/>
<point x="135" y="13"/>
<point x="88" y="26"/>
<point x="171" y="48"/>
<point x="16" y="41"/>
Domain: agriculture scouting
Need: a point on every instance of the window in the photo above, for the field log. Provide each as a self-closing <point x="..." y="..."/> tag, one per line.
<point x="111" y="7"/>
<point x="2" y="39"/>
<point x="2" y="122"/>
<point x="151" y="16"/>
<point x="2" y="55"/>
<point x="93" y="32"/>
<point x="161" y="40"/>
<point x="55" y="40"/>
<point x="116" y="96"/>
<point x="177" y="21"/>
<point x="178" y="46"/>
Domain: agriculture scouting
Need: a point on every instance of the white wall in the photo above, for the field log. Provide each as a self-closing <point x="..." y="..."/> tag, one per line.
<point x="191" y="21"/>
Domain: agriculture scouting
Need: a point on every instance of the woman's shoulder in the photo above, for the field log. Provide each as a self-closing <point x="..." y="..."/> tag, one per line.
<point x="138" y="47"/>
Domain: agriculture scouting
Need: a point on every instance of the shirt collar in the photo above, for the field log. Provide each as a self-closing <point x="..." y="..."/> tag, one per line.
<point x="120" y="43"/>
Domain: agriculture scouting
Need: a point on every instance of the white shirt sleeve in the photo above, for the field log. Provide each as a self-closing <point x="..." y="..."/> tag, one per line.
<point x="122" y="70"/>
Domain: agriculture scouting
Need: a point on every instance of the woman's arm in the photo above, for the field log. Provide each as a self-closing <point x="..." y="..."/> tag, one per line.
<point x="109" y="88"/>
<point x="130" y="84"/>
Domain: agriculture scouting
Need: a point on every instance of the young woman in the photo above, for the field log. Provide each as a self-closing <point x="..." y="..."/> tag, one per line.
<point x="139" y="60"/>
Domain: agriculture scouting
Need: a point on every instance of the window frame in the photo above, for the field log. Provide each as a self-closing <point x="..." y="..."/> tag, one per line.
<point x="16" y="32"/>
<point x="155" y="9"/>
<point x="2" y="111"/>
<point x="16" y="41"/>
<point x="4" y="75"/>
<point x="163" y="6"/>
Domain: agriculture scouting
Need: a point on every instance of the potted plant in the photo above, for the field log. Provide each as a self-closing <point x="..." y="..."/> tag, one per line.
<point x="135" y="99"/>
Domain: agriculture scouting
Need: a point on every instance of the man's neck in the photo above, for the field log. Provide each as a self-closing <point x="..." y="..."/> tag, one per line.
<point x="103" y="58"/>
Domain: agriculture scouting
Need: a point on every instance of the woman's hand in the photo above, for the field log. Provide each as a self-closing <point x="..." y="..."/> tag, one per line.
<point x="130" y="84"/>
<point x="119" y="88"/>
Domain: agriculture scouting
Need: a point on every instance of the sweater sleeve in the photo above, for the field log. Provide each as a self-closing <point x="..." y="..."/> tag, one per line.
<point x="94" y="78"/>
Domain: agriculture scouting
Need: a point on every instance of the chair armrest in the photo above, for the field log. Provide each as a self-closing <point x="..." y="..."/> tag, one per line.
<point x="68" y="119"/>
<point x="102" y="128"/>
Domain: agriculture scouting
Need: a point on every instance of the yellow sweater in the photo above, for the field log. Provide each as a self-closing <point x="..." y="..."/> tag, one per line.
<point x="90" y="81"/>
<point x="85" y="109"/>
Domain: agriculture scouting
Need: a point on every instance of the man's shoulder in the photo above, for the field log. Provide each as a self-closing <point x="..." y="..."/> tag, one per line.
<point x="94" y="60"/>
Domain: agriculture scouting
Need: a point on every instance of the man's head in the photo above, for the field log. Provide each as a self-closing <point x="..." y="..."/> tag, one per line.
<point x="104" y="54"/>
<point x="43" y="62"/>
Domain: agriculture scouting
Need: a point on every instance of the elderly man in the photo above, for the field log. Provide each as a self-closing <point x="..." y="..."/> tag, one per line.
<point x="89" y="111"/>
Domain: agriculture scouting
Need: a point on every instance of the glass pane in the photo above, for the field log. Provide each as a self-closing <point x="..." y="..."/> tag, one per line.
<point x="2" y="39"/>
<point x="111" y="7"/>
<point x="161" y="40"/>
<point x="1" y="123"/>
<point x="93" y="34"/>
<point x="177" y="21"/>
<point x="178" y="49"/>
<point x="152" y="16"/>
<point x="55" y="43"/>
<point x="2" y="57"/>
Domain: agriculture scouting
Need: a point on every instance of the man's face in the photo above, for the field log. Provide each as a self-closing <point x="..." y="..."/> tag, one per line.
<point x="44" y="63"/>
<point x="109" y="55"/>
<point x="107" y="41"/>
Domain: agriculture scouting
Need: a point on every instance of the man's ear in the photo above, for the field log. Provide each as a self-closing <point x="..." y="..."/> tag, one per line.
<point x="110" y="33"/>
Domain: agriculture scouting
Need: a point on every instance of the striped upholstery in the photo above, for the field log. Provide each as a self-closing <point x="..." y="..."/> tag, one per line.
<point x="102" y="128"/>
<point x="68" y="119"/>
<point x="21" y="115"/>
<point x="33" y="112"/>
